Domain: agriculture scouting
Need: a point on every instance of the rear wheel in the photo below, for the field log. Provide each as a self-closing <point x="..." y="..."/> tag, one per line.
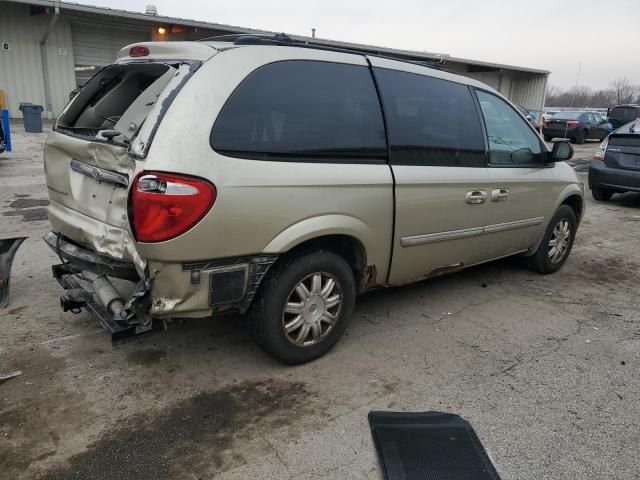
<point x="580" y="138"/>
<point x="556" y="243"/>
<point x="303" y="306"/>
<point x="548" y="138"/>
<point x="601" y="194"/>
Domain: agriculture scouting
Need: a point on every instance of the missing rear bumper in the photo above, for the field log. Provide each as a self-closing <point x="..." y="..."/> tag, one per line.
<point x="130" y="320"/>
<point x="86" y="277"/>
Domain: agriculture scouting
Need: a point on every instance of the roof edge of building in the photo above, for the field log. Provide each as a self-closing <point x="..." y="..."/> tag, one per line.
<point x="412" y="54"/>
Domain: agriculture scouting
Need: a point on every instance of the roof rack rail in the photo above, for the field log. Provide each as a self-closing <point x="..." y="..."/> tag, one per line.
<point x="285" y="40"/>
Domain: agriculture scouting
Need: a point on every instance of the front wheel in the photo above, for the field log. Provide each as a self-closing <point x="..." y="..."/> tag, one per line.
<point x="556" y="243"/>
<point x="303" y="306"/>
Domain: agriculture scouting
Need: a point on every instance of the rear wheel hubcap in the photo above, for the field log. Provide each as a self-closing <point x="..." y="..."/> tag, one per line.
<point x="312" y="309"/>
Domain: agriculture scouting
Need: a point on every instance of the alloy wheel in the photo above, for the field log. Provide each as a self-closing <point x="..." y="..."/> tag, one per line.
<point x="559" y="242"/>
<point x="312" y="309"/>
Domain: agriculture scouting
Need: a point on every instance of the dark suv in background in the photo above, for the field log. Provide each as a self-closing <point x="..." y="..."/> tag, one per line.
<point x="622" y="114"/>
<point x="576" y="126"/>
<point x="618" y="170"/>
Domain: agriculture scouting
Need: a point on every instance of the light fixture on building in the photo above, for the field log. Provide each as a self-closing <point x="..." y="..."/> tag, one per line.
<point x="162" y="30"/>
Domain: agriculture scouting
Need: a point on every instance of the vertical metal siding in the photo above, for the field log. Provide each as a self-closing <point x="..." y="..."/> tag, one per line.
<point x="530" y="92"/>
<point x="98" y="45"/>
<point x="21" y="67"/>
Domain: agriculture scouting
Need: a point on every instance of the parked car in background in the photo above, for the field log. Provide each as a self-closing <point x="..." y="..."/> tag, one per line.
<point x="529" y="117"/>
<point x="623" y="114"/>
<point x="576" y="126"/>
<point x="616" y="165"/>
<point x="281" y="179"/>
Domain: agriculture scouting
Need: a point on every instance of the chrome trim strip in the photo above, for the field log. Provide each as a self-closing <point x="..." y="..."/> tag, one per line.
<point x="99" y="174"/>
<point x="414" y="240"/>
<point x="502" y="227"/>
<point x="440" y="236"/>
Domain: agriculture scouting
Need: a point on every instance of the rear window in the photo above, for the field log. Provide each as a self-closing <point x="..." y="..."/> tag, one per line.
<point x="626" y="114"/>
<point x="431" y="121"/>
<point x="567" y="116"/>
<point x="303" y="110"/>
<point x="624" y="140"/>
<point x="117" y="98"/>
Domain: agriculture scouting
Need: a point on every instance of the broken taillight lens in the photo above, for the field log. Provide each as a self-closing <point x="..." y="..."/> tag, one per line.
<point x="164" y="205"/>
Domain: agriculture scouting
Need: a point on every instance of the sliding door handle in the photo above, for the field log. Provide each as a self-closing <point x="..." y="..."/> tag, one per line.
<point x="476" y="196"/>
<point x="500" y="195"/>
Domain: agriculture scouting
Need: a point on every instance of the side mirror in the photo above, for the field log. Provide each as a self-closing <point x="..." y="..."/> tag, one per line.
<point x="561" y="151"/>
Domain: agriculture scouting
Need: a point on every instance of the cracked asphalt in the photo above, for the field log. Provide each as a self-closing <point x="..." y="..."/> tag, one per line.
<point x="544" y="367"/>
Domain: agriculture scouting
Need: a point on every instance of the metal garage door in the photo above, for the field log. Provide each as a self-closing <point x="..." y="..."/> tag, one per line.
<point x="95" y="46"/>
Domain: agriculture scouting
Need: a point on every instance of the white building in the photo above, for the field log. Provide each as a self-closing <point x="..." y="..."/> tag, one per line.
<point x="48" y="47"/>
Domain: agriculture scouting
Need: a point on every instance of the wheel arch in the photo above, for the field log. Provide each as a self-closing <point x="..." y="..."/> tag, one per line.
<point x="343" y="235"/>
<point x="576" y="202"/>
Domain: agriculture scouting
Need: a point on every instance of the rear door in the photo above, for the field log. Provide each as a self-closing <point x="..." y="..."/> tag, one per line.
<point x="522" y="191"/>
<point x="437" y="153"/>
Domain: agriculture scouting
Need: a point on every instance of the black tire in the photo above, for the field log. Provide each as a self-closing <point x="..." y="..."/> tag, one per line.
<point x="601" y="194"/>
<point x="268" y="310"/>
<point x="540" y="261"/>
<point x="580" y="138"/>
<point x="548" y="138"/>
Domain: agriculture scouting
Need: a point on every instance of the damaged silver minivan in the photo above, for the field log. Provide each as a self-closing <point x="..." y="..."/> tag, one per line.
<point x="262" y="175"/>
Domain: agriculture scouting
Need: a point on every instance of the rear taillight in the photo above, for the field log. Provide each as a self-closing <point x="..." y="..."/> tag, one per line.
<point x="165" y="205"/>
<point x="602" y="150"/>
<point x="573" y="123"/>
<point x="138" y="51"/>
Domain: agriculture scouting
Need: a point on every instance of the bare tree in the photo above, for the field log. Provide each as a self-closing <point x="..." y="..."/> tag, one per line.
<point x="624" y="91"/>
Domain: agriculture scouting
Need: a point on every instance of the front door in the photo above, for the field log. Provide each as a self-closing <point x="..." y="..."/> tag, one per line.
<point x="522" y="190"/>
<point x="439" y="164"/>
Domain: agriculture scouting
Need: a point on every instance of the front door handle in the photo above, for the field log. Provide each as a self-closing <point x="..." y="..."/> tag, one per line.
<point x="500" y="195"/>
<point x="476" y="196"/>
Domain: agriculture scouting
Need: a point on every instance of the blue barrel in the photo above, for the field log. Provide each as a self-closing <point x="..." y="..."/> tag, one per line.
<point x="5" y="131"/>
<point x="32" y="115"/>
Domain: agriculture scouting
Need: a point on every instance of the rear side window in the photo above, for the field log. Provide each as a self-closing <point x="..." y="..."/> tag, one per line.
<point x="431" y="121"/>
<point x="303" y="111"/>
<point x="511" y="140"/>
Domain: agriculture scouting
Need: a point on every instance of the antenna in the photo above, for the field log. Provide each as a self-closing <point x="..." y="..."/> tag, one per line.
<point x="573" y="98"/>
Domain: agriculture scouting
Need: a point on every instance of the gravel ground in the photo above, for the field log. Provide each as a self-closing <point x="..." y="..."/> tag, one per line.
<point x="544" y="367"/>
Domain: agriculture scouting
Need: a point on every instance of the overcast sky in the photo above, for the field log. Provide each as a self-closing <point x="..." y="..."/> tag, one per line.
<point x="554" y="35"/>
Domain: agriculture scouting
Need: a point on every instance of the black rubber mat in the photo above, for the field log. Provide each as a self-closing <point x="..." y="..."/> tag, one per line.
<point x="429" y="446"/>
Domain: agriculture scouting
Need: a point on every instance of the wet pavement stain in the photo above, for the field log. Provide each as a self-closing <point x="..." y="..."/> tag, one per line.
<point x="16" y="310"/>
<point x="29" y="203"/>
<point x="30" y="215"/>
<point x="192" y="437"/>
<point x="148" y="356"/>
